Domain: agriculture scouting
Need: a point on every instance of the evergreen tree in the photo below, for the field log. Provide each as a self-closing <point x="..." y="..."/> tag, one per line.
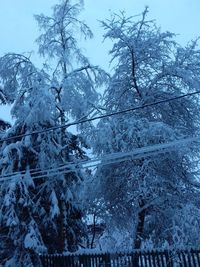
<point x="40" y="209"/>
<point x="153" y="194"/>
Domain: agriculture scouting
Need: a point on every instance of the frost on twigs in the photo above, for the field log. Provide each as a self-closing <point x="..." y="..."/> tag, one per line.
<point x="148" y="196"/>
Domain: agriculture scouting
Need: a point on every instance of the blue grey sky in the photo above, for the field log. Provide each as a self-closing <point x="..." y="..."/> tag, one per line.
<point x="18" y="29"/>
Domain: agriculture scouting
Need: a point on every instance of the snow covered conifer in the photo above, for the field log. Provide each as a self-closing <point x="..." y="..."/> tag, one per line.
<point x="40" y="206"/>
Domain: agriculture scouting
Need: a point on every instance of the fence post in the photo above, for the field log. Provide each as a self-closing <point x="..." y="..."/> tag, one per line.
<point x="44" y="259"/>
<point x="106" y="260"/>
<point x="134" y="259"/>
<point x="169" y="258"/>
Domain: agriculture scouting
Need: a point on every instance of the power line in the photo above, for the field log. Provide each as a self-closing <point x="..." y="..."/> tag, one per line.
<point x="99" y="117"/>
<point x="34" y="171"/>
<point x="111" y="158"/>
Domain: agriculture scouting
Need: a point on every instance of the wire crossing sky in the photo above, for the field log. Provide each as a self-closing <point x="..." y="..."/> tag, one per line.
<point x="99" y="117"/>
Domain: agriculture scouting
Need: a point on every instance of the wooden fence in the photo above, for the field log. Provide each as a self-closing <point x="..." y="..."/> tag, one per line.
<point x="178" y="258"/>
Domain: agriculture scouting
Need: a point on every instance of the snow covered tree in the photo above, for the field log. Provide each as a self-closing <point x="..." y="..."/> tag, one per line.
<point x="150" y="195"/>
<point x="40" y="202"/>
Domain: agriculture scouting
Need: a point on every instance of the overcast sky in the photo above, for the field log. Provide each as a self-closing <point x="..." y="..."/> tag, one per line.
<point x="18" y="29"/>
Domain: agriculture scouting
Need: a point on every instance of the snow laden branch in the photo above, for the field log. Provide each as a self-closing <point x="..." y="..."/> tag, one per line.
<point x="149" y="195"/>
<point x="33" y="213"/>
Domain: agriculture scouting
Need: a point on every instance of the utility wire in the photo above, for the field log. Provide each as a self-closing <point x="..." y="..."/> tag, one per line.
<point x="107" y="159"/>
<point x="100" y="117"/>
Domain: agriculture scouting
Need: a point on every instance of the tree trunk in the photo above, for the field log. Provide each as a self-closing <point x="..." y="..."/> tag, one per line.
<point x="139" y="231"/>
<point x="93" y="231"/>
